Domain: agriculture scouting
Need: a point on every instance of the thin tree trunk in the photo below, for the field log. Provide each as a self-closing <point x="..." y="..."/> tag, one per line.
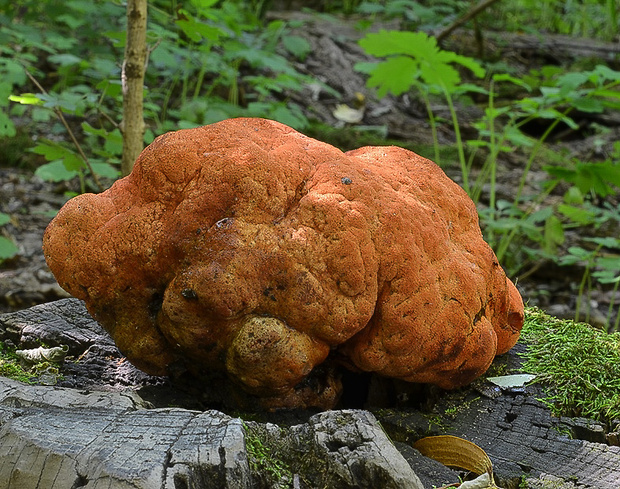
<point x="132" y="76"/>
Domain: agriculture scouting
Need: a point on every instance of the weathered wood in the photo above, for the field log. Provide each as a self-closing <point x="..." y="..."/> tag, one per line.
<point x="519" y="434"/>
<point x="103" y="437"/>
<point x="557" y="45"/>
<point x="60" y="438"/>
<point x="132" y="78"/>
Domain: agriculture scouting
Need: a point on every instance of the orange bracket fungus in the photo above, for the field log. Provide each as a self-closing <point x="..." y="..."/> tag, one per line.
<point x="251" y="250"/>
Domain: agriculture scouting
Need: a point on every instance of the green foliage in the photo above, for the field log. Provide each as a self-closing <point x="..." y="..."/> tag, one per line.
<point x="11" y="368"/>
<point x="554" y="94"/>
<point x="261" y="458"/>
<point x="580" y="364"/>
<point x="8" y="249"/>
<point x="586" y="18"/>
<point x="522" y="230"/>
<point x="416" y="15"/>
<point x="208" y="61"/>
<point x="415" y="61"/>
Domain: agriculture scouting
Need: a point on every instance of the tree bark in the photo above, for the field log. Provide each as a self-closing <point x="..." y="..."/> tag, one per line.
<point x="132" y="77"/>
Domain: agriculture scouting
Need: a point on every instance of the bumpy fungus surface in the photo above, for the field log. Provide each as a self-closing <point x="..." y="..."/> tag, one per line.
<point x="248" y="248"/>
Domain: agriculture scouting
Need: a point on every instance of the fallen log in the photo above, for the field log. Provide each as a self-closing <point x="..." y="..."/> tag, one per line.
<point x="103" y="431"/>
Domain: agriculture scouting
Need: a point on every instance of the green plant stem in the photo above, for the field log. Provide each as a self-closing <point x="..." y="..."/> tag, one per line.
<point x="433" y="124"/>
<point x="610" y="309"/>
<point x="507" y="239"/>
<point x="492" y="156"/>
<point x="459" y="140"/>
<point x="585" y="279"/>
<point x="60" y="116"/>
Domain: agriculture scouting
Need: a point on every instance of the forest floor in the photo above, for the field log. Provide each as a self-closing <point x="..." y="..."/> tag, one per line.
<point x="25" y="280"/>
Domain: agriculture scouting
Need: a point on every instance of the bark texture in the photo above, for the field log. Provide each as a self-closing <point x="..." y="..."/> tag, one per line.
<point x="134" y="67"/>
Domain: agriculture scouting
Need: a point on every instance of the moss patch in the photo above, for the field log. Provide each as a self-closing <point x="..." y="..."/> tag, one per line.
<point x="579" y="364"/>
<point x="11" y="368"/>
<point x="264" y="461"/>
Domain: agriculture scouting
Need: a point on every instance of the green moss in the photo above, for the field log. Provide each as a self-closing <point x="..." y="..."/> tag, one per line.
<point x="11" y="368"/>
<point x="262" y="458"/>
<point x="579" y="364"/>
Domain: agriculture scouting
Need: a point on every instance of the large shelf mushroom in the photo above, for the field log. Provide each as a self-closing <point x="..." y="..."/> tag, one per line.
<point x="248" y="248"/>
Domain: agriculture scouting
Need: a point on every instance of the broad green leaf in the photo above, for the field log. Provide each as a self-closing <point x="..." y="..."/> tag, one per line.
<point x="51" y="151"/>
<point x="573" y="196"/>
<point x="7" y="128"/>
<point x="64" y="59"/>
<point x="390" y="43"/>
<point x="55" y="171"/>
<point x="609" y="263"/>
<point x="607" y="276"/>
<point x="297" y="46"/>
<point x="366" y="66"/>
<point x="26" y="99"/>
<point x="87" y="128"/>
<point x="106" y="170"/>
<point x="606" y="73"/>
<point x="571" y="81"/>
<point x="4" y="218"/>
<point x="41" y="114"/>
<point x="500" y="77"/>
<point x="607" y="241"/>
<point x="469" y="63"/>
<point x="471" y="88"/>
<point x="395" y="75"/>
<point x="577" y="214"/>
<point x="8" y="249"/>
<point x="13" y="72"/>
<point x="591" y="105"/>
<point x="204" y="4"/>
<point x="114" y="142"/>
<point x="516" y="137"/>
<point x="197" y="31"/>
<point x="439" y="74"/>
<point x="542" y="214"/>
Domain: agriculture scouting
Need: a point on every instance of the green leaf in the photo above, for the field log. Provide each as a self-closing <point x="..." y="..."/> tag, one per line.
<point x="573" y="196"/>
<point x="64" y="59"/>
<point x="51" y="151"/>
<point x="8" y="249"/>
<point x="609" y="263"/>
<point x="13" y="72"/>
<point x="105" y="170"/>
<point x="607" y="276"/>
<point x="26" y="99"/>
<point x="500" y="77"/>
<point x="439" y="74"/>
<point x="607" y="241"/>
<point x="297" y="46"/>
<point x="395" y="75"/>
<point x="577" y="214"/>
<point x="516" y="137"/>
<point x="590" y="105"/>
<point x="7" y="128"/>
<point x="469" y="63"/>
<point x="571" y="81"/>
<point x="4" y="218"/>
<point x="366" y="66"/>
<point x="553" y="233"/>
<point x="389" y="43"/>
<point x="55" y="171"/>
<point x="197" y="31"/>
